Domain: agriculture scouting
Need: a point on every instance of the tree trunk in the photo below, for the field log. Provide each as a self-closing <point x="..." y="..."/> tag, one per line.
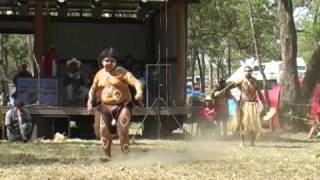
<point x="218" y="69"/>
<point x="200" y="69"/>
<point x="312" y="75"/>
<point x="193" y="68"/>
<point x="203" y="77"/>
<point x="290" y="91"/>
<point x="229" y="59"/>
<point x="211" y="74"/>
<point x="4" y="55"/>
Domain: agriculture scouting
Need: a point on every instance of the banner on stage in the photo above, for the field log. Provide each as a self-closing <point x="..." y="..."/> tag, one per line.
<point x="27" y="91"/>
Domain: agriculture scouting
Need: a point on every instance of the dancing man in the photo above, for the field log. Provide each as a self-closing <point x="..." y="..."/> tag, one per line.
<point x="248" y="111"/>
<point x="110" y="87"/>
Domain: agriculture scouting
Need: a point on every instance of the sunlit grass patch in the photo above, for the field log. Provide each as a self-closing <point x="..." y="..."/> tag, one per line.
<point x="208" y="158"/>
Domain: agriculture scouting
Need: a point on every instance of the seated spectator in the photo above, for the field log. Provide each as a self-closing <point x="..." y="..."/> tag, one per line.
<point x="23" y="73"/>
<point x="18" y="123"/>
<point x="208" y="113"/>
<point x="74" y="81"/>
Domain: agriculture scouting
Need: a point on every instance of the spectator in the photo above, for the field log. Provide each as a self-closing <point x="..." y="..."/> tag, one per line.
<point x="74" y="81"/>
<point x="208" y="113"/>
<point x="50" y="62"/>
<point x="314" y="111"/>
<point x="23" y="73"/>
<point x="222" y="108"/>
<point x="18" y="123"/>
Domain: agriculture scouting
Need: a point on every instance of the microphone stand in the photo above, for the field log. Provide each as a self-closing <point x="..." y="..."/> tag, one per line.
<point x="38" y="81"/>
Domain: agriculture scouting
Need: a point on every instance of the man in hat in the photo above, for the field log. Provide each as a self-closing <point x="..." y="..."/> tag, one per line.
<point x="110" y="87"/>
<point x="18" y="123"/>
<point x="74" y="81"/>
<point x="248" y="111"/>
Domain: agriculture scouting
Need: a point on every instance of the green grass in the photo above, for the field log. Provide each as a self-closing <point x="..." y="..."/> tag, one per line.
<point x="280" y="157"/>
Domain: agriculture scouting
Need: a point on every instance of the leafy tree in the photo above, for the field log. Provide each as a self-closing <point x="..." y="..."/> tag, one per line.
<point x="221" y="30"/>
<point x="16" y="50"/>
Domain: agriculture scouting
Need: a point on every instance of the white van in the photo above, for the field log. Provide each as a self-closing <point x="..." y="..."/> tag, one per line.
<point x="274" y="70"/>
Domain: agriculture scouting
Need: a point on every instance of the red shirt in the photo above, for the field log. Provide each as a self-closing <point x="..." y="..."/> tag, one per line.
<point x="208" y="113"/>
<point x="50" y="58"/>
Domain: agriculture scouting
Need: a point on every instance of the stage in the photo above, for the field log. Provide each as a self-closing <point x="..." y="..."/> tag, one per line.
<point x="51" y="111"/>
<point x="47" y="116"/>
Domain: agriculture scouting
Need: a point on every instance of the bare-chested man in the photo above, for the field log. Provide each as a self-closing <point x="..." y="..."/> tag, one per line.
<point x="110" y="87"/>
<point x="248" y="111"/>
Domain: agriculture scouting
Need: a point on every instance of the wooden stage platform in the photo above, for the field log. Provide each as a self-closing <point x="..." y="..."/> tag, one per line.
<point x="52" y="111"/>
<point x="49" y="114"/>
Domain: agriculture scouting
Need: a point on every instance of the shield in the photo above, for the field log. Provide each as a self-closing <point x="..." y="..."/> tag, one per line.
<point x="268" y="115"/>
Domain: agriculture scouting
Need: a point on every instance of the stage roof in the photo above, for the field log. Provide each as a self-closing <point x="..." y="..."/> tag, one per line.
<point x="99" y="9"/>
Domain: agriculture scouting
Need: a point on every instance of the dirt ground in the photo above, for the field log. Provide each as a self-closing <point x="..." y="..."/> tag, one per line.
<point x="280" y="156"/>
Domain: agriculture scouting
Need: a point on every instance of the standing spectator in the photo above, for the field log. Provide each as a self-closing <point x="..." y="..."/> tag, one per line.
<point x="314" y="111"/>
<point x="50" y="62"/>
<point x="222" y="108"/>
<point x="18" y="123"/>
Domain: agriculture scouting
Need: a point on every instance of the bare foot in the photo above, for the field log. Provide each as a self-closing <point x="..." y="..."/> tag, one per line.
<point x="307" y="138"/>
<point x="241" y="144"/>
<point x="105" y="158"/>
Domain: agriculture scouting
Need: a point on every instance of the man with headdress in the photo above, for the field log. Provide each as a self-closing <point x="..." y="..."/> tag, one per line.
<point x="18" y="123"/>
<point x="110" y="87"/>
<point x="74" y="81"/>
<point x="248" y="111"/>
